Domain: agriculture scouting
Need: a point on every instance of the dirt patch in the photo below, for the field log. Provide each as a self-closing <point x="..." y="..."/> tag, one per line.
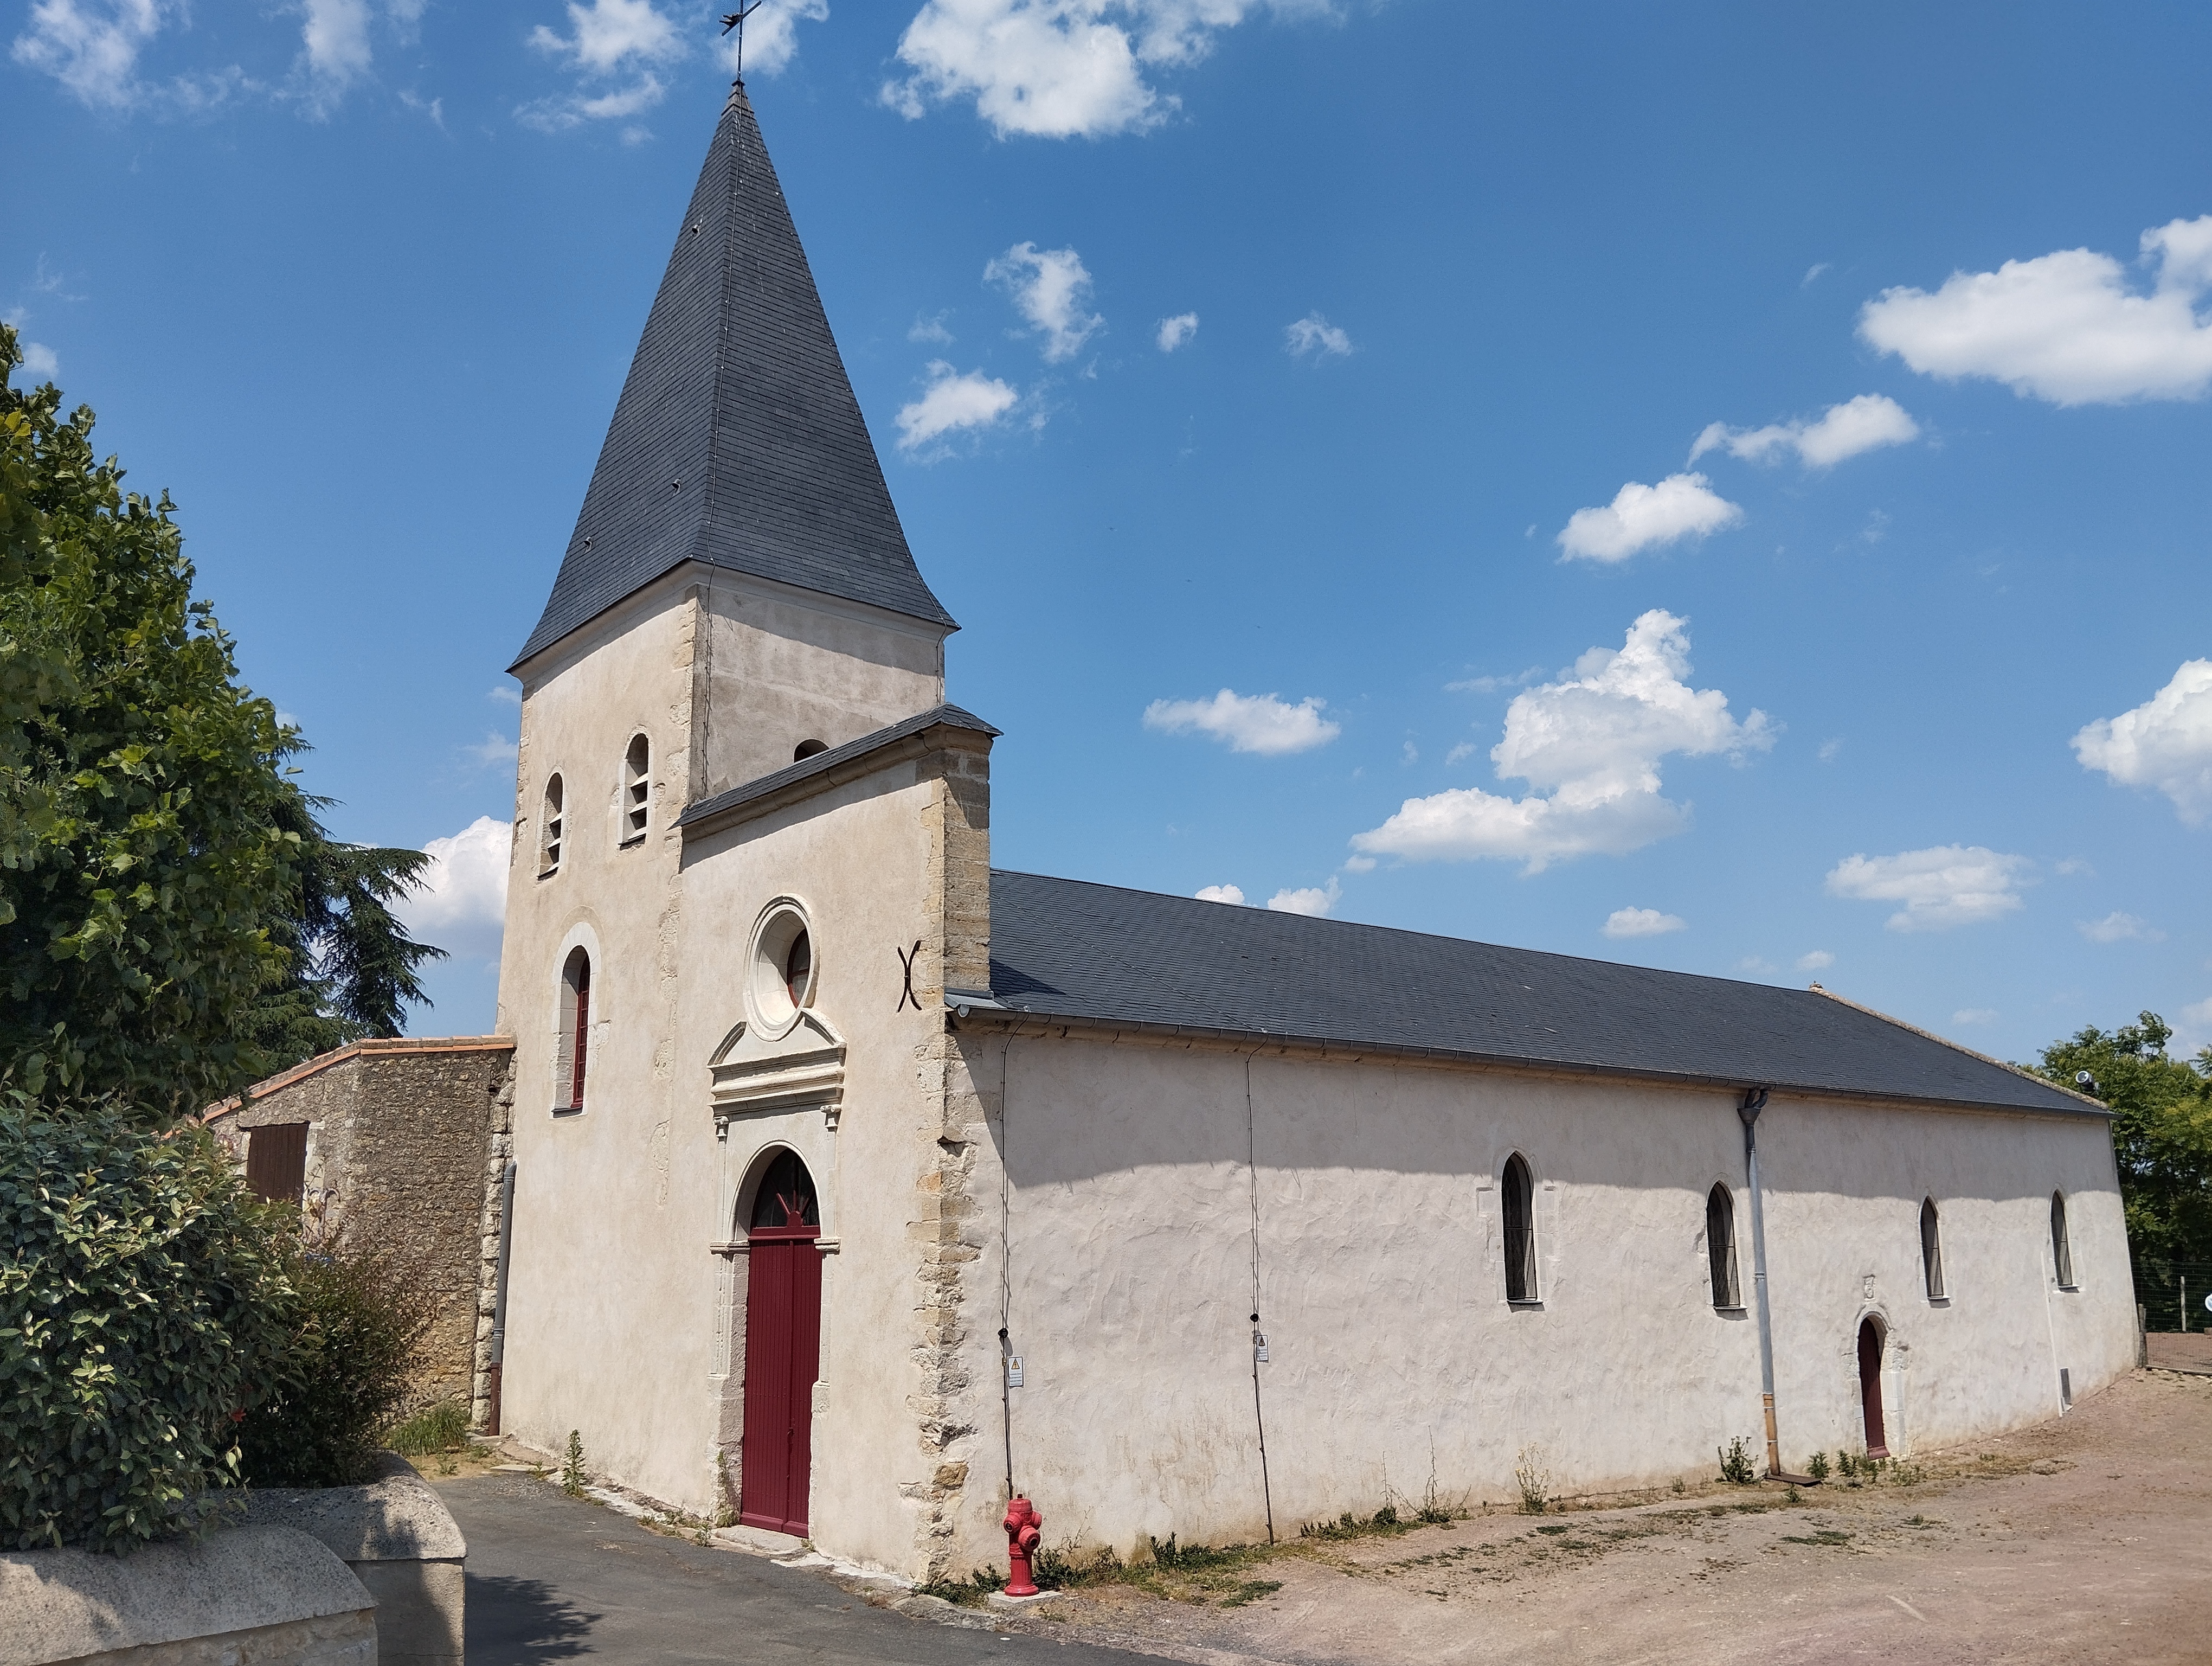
<point x="2174" y="1350"/>
<point x="2088" y="1539"/>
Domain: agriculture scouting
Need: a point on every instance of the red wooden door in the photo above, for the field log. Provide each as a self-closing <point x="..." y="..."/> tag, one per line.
<point x="1870" y="1388"/>
<point x="783" y="1346"/>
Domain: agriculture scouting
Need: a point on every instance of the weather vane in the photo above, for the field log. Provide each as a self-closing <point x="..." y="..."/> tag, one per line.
<point x="736" y="20"/>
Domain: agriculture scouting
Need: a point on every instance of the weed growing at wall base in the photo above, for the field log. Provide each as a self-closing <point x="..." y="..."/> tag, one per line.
<point x="1735" y="1462"/>
<point x="1533" y="1480"/>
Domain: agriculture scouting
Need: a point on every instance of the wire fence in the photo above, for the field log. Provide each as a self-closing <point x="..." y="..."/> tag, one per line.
<point x="2172" y="1295"/>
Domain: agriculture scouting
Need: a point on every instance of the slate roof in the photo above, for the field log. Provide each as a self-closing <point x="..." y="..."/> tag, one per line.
<point x="1063" y="948"/>
<point x="822" y="764"/>
<point x="737" y="440"/>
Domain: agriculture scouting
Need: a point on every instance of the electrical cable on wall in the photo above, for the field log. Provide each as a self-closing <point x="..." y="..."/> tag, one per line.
<point x="1005" y="1273"/>
<point x="1259" y="1339"/>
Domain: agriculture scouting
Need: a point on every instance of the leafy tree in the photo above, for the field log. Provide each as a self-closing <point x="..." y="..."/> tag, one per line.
<point x="350" y="968"/>
<point x="173" y="920"/>
<point x="145" y="1315"/>
<point x="2161" y="1131"/>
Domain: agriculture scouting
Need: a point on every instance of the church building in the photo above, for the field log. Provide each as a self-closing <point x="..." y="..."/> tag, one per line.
<point x="856" y="1181"/>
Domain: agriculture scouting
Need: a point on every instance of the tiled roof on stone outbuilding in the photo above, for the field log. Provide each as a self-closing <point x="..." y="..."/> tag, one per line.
<point x="737" y="440"/>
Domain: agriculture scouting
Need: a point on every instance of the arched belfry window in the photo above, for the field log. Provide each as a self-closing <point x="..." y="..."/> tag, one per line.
<point x="2062" y="1253"/>
<point x="807" y="749"/>
<point x="572" y="1057"/>
<point x="637" y="789"/>
<point x="1931" y="1249"/>
<point x="785" y="1198"/>
<point x="1518" y="1196"/>
<point x="1720" y="1247"/>
<point x="550" y="823"/>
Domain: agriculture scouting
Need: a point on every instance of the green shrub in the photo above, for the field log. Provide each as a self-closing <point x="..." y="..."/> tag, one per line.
<point x="342" y="1376"/>
<point x="1735" y="1462"/>
<point x="142" y="1300"/>
<point x="1818" y="1467"/>
<point x="436" y="1428"/>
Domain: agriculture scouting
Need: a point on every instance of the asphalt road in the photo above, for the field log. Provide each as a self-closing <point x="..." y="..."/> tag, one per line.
<point x="551" y="1578"/>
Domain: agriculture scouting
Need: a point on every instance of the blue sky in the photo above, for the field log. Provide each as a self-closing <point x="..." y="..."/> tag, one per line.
<point x="1719" y="487"/>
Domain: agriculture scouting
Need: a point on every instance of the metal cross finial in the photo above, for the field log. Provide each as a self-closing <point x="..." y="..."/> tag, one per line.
<point x="736" y="20"/>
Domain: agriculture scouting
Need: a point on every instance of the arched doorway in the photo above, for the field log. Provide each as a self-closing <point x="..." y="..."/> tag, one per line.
<point x="783" y="1346"/>
<point x="1877" y="1443"/>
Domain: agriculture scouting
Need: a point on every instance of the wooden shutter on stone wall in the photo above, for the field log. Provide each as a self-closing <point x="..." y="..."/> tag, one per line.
<point x="277" y="1160"/>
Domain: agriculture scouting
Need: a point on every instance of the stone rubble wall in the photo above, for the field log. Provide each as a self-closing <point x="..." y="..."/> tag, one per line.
<point x="406" y="1144"/>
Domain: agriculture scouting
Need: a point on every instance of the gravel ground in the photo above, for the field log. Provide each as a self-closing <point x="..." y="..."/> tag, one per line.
<point x="2088" y="1539"/>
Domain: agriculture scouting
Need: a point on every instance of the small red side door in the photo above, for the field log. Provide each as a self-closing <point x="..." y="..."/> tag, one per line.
<point x="1877" y="1443"/>
<point x="783" y="1348"/>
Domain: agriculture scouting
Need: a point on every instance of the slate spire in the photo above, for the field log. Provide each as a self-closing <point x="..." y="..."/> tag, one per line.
<point x="737" y="440"/>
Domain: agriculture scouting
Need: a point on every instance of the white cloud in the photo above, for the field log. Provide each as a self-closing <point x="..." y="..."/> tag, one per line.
<point x="1359" y="865"/>
<point x="1975" y="1015"/>
<point x="1817" y="960"/>
<point x="1813" y="271"/>
<point x="1757" y="964"/>
<point x="1051" y="290"/>
<point x="335" y="51"/>
<point x="1312" y="900"/>
<point x="504" y="695"/>
<point x="2119" y="928"/>
<point x="606" y="38"/>
<point x="1061" y="68"/>
<point x="90" y="46"/>
<point x="954" y="400"/>
<point x="494" y="748"/>
<point x="1641" y="922"/>
<point x="771" y="35"/>
<point x="1940" y="887"/>
<point x="555" y="115"/>
<point x="1595" y="741"/>
<point x="1681" y="506"/>
<point x="463" y="908"/>
<point x="930" y="329"/>
<point x="1174" y="331"/>
<point x="1248" y="722"/>
<point x="39" y="363"/>
<point x="1520" y="680"/>
<point x="1221" y="894"/>
<point x="1866" y="423"/>
<point x="1829" y="749"/>
<point x="2165" y="743"/>
<point x="1315" y="334"/>
<point x="2065" y="326"/>
<point x="608" y="33"/>
<point x="1459" y="754"/>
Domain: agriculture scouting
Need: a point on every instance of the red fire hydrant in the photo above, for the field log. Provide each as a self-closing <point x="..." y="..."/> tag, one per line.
<point x="1022" y="1538"/>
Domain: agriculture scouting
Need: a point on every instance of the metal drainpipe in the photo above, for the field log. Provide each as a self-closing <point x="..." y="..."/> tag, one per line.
<point x="499" y="1302"/>
<point x="1754" y="1101"/>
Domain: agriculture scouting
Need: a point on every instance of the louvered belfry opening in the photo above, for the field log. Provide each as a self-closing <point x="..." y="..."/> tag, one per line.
<point x="1519" y="1191"/>
<point x="1720" y="1247"/>
<point x="2062" y="1253"/>
<point x="1931" y="1249"/>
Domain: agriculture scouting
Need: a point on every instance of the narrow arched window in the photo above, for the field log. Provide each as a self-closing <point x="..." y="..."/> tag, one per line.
<point x="1931" y="1249"/>
<point x="637" y="788"/>
<point x="1519" y="1196"/>
<point x="1720" y="1247"/>
<point x="2062" y="1255"/>
<point x="572" y="1055"/>
<point x="550" y="823"/>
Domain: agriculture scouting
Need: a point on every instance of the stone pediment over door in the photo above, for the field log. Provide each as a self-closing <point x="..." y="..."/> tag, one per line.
<point x="803" y="1068"/>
